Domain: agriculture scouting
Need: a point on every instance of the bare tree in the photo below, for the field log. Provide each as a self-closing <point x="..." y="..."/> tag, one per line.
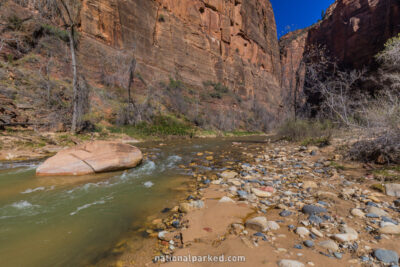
<point x="69" y="12"/>
<point x="332" y="91"/>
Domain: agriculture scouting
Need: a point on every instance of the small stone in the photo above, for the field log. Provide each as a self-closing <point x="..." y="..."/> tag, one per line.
<point x="397" y="202"/>
<point x="226" y="199"/>
<point x="309" y="243"/>
<point x="175" y="224"/>
<point x="228" y="175"/>
<point x="162" y="235"/>
<point x="364" y="258"/>
<point x="315" y="219"/>
<point x="357" y="213"/>
<point x="298" y="246"/>
<point x="312" y="209"/>
<point x="390" y="229"/>
<point x="185" y="207"/>
<point x="316" y="232"/>
<point x="309" y="184"/>
<point x="392" y="190"/>
<point x="242" y="193"/>
<point x="260" y="193"/>
<point x="285" y="213"/>
<point x="387" y="219"/>
<point x="349" y="235"/>
<point x="386" y="256"/>
<point x="290" y="263"/>
<point x="302" y="231"/>
<point x="338" y="255"/>
<point x="237" y="228"/>
<point x="207" y="181"/>
<point x="259" y="234"/>
<point x="329" y="244"/>
<point x="259" y="224"/>
<point x="377" y="211"/>
<point x="272" y="226"/>
<point x="198" y="204"/>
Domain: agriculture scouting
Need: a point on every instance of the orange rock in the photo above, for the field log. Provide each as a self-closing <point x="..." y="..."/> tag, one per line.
<point x="90" y="158"/>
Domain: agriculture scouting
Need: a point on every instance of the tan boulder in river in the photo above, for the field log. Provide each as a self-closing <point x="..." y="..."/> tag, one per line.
<point x="90" y="158"/>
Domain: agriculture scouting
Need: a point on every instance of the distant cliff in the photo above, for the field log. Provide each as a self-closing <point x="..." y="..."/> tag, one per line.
<point x="352" y="31"/>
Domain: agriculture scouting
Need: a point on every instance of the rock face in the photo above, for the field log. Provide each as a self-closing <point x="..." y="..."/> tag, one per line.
<point x="90" y="158"/>
<point x="353" y="31"/>
<point x="232" y="42"/>
<point x="9" y="113"/>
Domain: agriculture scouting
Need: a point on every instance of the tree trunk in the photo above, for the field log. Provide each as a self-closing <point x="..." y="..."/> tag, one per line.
<point x="75" y="114"/>
<point x="131" y="103"/>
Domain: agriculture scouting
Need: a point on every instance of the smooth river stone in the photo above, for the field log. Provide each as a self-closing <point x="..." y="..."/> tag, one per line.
<point x="90" y="158"/>
<point x="259" y="224"/>
<point x="290" y="263"/>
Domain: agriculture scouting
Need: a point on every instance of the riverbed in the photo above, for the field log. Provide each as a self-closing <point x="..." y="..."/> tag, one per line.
<point x="76" y="221"/>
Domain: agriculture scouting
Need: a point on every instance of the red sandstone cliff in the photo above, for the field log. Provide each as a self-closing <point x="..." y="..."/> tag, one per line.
<point x="228" y="41"/>
<point x="230" y="44"/>
<point x="353" y="32"/>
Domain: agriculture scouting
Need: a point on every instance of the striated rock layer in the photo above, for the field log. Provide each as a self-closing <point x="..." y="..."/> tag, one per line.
<point x="227" y="41"/>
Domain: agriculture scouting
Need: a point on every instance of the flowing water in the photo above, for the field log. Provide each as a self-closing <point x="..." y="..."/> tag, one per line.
<point x="74" y="221"/>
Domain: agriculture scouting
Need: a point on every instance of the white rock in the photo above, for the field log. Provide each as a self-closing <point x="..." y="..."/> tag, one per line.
<point x="357" y="213"/>
<point x="235" y="182"/>
<point x="390" y="229"/>
<point x="377" y="211"/>
<point x="349" y="235"/>
<point x="217" y="182"/>
<point x="384" y="224"/>
<point x="302" y="231"/>
<point x="259" y="224"/>
<point x="316" y="232"/>
<point x="233" y="189"/>
<point x="330" y="245"/>
<point x="162" y="234"/>
<point x="260" y="193"/>
<point x="290" y="263"/>
<point x="392" y="190"/>
<point x="272" y="226"/>
<point x="226" y="199"/>
<point x="228" y="175"/>
<point x="348" y="191"/>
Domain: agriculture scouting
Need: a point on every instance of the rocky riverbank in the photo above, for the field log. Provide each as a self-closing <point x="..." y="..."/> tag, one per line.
<point x="279" y="204"/>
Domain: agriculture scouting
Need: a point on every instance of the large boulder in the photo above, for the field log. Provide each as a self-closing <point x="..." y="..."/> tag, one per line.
<point x="90" y="158"/>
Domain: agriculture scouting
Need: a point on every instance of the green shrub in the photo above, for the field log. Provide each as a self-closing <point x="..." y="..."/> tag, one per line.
<point x="160" y="126"/>
<point x="55" y="31"/>
<point x="219" y="89"/>
<point x="175" y="84"/>
<point x="306" y="131"/>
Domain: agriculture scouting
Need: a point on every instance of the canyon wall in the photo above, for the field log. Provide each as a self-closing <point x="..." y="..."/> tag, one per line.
<point x="231" y="42"/>
<point x="353" y="32"/>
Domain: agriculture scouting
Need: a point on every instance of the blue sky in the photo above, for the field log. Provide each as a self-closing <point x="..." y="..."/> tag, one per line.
<point x="297" y="14"/>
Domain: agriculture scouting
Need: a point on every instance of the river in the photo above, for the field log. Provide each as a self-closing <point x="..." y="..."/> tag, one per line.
<point x="75" y="221"/>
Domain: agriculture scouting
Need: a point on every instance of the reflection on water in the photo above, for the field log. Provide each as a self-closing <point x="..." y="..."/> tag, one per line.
<point x="72" y="221"/>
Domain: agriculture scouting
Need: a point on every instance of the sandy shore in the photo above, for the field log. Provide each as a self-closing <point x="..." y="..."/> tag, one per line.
<point x="276" y="182"/>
